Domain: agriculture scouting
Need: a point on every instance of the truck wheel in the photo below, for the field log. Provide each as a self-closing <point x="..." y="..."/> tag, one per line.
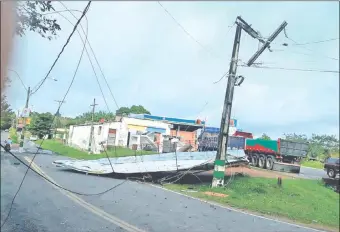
<point x="262" y="162"/>
<point x="254" y="160"/>
<point x="331" y="173"/>
<point x="269" y="163"/>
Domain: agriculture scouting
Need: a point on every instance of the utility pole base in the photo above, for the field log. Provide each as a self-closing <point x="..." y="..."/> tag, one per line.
<point x="219" y="173"/>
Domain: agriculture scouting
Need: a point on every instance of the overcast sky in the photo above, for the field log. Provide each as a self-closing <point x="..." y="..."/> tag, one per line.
<point x="148" y="59"/>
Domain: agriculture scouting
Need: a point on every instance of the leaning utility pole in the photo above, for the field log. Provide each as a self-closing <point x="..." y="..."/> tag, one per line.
<point x="22" y="137"/>
<point x="233" y="80"/>
<point x="91" y="131"/>
<point x="57" y="116"/>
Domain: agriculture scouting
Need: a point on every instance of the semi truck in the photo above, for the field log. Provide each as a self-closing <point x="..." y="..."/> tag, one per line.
<point x="265" y="153"/>
<point x="280" y="155"/>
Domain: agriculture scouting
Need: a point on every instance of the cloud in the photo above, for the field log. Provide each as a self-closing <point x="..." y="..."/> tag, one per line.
<point x="149" y="60"/>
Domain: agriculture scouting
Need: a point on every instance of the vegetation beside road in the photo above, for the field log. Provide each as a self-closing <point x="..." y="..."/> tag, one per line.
<point x="64" y="150"/>
<point x="306" y="201"/>
<point x="13" y="135"/>
<point x="312" y="164"/>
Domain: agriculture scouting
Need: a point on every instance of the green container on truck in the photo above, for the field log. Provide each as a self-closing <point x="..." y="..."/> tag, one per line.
<point x="264" y="153"/>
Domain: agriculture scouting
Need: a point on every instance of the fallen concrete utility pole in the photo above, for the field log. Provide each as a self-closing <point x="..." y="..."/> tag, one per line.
<point x="219" y="169"/>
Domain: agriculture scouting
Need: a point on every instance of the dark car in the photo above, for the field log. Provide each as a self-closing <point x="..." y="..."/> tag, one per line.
<point x="332" y="166"/>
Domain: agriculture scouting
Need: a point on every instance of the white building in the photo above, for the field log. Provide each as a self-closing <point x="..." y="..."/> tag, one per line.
<point x="125" y="132"/>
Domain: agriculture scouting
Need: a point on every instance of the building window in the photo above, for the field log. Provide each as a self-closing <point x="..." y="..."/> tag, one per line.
<point x="99" y="130"/>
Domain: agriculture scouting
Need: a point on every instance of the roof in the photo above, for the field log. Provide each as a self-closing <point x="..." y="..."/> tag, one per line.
<point x="170" y="120"/>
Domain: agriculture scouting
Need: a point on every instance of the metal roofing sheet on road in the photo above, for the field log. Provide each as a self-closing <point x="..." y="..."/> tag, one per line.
<point x="148" y="163"/>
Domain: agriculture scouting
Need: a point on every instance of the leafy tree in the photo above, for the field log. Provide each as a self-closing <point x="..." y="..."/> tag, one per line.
<point x="40" y="124"/>
<point x="87" y="117"/>
<point x="7" y="115"/>
<point x="123" y="111"/>
<point x="265" y="137"/>
<point x="132" y="110"/>
<point x="296" y="137"/>
<point x="31" y="15"/>
<point x="320" y="146"/>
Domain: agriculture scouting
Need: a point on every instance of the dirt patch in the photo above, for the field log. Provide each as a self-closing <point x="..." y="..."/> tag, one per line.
<point x="256" y="172"/>
<point x="215" y="194"/>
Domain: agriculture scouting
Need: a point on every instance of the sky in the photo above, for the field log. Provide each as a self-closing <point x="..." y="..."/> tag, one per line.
<point x="170" y="66"/>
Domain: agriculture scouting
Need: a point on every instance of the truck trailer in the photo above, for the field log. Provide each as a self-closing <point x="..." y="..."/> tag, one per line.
<point x="279" y="155"/>
<point x="265" y="153"/>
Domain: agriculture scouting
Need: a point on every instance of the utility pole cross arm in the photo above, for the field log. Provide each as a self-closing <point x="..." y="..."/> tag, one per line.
<point x="267" y="43"/>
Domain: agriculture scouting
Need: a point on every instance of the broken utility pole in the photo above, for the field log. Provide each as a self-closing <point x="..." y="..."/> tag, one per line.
<point x="219" y="169"/>
<point x="91" y="131"/>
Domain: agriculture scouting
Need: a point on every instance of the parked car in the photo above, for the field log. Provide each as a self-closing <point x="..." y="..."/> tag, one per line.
<point x="332" y="167"/>
<point x="6" y="130"/>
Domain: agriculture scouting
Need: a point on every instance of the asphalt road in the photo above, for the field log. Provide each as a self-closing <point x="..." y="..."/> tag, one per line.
<point x="132" y="206"/>
<point x="312" y="173"/>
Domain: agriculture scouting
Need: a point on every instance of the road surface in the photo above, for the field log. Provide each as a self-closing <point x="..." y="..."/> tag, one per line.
<point x="312" y="173"/>
<point x="130" y="207"/>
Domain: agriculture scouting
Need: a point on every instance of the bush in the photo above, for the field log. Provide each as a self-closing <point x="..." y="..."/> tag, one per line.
<point x="13" y="135"/>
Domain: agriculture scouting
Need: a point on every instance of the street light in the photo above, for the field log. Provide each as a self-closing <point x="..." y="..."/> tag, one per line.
<point x="52" y="78"/>
<point x="18" y="77"/>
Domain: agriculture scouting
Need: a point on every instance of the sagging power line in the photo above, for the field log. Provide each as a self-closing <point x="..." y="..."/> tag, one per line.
<point x="62" y="50"/>
<point x="51" y="68"/>
<point x="95" y="57"/>
<point x="290" y="69"/>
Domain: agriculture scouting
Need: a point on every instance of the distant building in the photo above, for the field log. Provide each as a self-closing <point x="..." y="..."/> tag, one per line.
<point x="137" y="131"/>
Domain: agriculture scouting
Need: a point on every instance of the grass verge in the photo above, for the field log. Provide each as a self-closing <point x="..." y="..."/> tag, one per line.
<point x="64" y="150"/>
<point x="312" y="164"/>
<point x="306" y="201"/>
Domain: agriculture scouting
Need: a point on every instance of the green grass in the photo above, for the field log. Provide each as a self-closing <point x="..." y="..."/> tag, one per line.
<point x="13" y="135"/>
<point x="312" y="164"/>
<point x="61" y="149"/>
<point x="306" y="201"/>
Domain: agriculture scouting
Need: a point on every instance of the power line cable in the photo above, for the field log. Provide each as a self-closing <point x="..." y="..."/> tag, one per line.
<point x="70" y="11"/>
<point x="328" y="57"/>
<point x="186" y="32"/>
<point x="59" y="186"/>
<point x="22" y="83"/>
<point x="224" y="75"/>
<point x="315" y="42"/>
<point x="87" y="53"/>
<point x="63" y="48"/>
<point x="290" y="69"/>
<point x="63" y="100"/>
<point x="95" y="57"/>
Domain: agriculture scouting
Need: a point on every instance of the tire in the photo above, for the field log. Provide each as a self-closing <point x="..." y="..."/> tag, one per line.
<point x="254" y="160"/>
<point x="269" y="163"/>
<point x="331" y="173"/>
<point x="262" y="162"/>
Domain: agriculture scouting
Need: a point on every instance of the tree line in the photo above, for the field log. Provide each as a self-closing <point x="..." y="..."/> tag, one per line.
<point x="44" y="123"/>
